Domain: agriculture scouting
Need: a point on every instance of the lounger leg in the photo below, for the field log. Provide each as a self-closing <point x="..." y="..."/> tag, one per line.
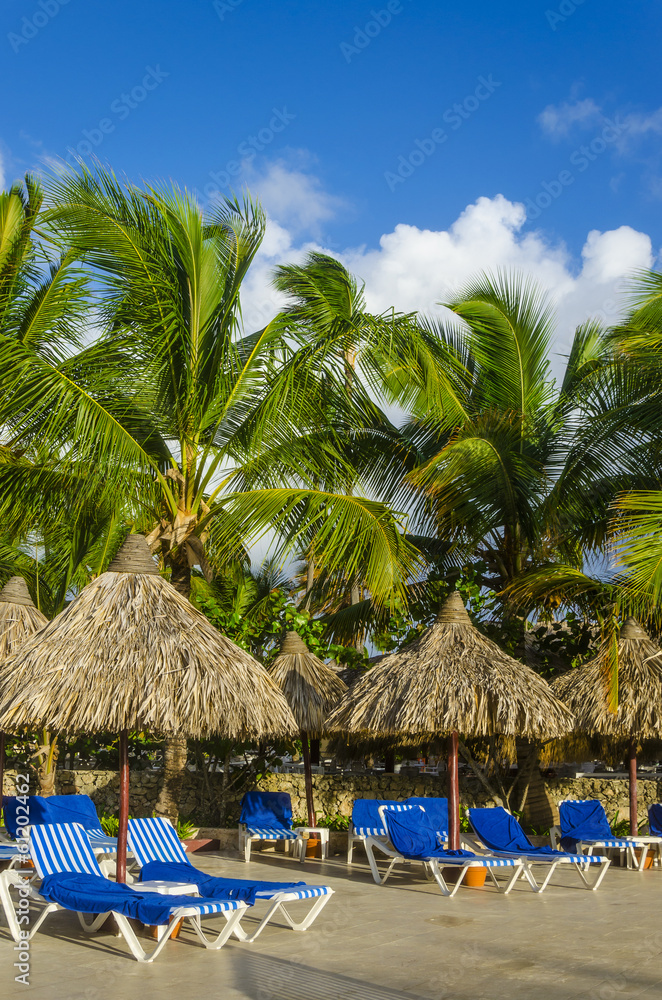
<point x="644" y="852"/>
<point x="601" y="874"/>
<point x="8" y="878"/>
<point x="97" y="922"/>
<point x="247" y="848"/>
<point x="379" y="879"/>
<point x="518" y="871"/>
<point x="350" y="848"/>
<point x="301" y="925"/>
<point x="439" y="878"/>
<point x="552" y="869"/>
<point x="141" y="955"/>
<point x="232" y="921"/>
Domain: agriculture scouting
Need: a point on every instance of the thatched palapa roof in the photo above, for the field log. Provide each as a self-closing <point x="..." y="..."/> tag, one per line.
<point x="639" y="712"/>
<point x="19" y="619"/>
<point x="310" y="686"/>
<point x="451" y="678"/>
<point x="131" y="653"/>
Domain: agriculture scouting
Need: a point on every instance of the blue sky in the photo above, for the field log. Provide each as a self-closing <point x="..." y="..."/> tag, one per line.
<point x="359" y="123"/>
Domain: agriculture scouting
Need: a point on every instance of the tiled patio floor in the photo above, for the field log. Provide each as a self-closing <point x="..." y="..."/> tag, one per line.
<point x="402" y="941"/>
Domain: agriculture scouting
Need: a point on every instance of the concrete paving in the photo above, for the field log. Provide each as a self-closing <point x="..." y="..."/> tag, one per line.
<point x="401" y="941"/>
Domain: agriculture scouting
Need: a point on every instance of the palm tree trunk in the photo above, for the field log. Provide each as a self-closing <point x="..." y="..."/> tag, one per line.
<point x="174" y="768"/>
<point x="632" y="773"/>
<point x="175" y="752"/>
<point x="308" y="779"/>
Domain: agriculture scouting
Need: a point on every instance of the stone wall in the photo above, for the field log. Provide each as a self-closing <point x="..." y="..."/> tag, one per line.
<point x="335" y="793"/>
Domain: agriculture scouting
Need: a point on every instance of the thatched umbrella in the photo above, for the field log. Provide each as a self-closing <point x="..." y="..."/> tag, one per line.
<point x="451" y="680"/>
<point x="130" y="653"/>
<point x="639" y="713"/>
<point x="311" y="689"/>
<point x="19" y="619"/>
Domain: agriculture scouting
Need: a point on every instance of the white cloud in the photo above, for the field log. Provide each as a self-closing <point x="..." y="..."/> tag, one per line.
<point x="639" y="123"/>
<point x="2" y="173"/>
<point x="414" y="269"/>
<point x="289" y="191"/>
<point x="558" y="120"/>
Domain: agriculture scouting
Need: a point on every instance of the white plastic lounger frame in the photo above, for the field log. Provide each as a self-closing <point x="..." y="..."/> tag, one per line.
<point x="581" y="863"/>
<point x="321" y="893"/>
<point x="435" y="865"/>
<point x="627" y="844"/>
<point x="65" y="847"/>
<point x="156" y="840"/>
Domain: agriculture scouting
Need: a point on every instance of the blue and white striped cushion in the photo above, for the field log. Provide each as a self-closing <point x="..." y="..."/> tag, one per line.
<point x="379" y="831"/>
<point x="272" y="833"/>
<point x="608" y="843"/>
<point x="222" y="906"/>
<point x="155" y="840"/>
<point x="592" y="859"/>
<point x="10" y="851"/>
<point x="62" y="847"/>
<point x="480" y="862"/>
<point x="305" y="892"/>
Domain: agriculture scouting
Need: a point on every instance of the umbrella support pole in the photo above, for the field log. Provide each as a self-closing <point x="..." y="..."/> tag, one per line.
<point x="632" y="769"/>
<point x="453" y="793"/>
<point x="308" y="778"/>
<point x="124" y="806"/>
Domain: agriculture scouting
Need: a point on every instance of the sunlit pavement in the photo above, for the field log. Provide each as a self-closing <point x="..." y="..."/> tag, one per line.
<point x="402" y="940"/>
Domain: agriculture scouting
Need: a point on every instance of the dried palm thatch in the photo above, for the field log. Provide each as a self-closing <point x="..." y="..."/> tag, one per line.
<point x="639" y="711"/>
<point x="19" y="619"/>
<point x="131" y="653"/>
<point x="451" y="679"/>
<point x="309" y="685"/>
<point x="311" y="689"/>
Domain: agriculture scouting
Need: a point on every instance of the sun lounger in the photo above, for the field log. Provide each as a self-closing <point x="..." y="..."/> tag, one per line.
<point x="51" y="809"/>
<point x="159" y="852"/>
<point x="503" y="837"/>
<point x="411" y="836"/>
<point x="366" y="822"/>
<point x="584" y="828"/>
<point x="267" y="816"/>
<point x="71" y="879"/>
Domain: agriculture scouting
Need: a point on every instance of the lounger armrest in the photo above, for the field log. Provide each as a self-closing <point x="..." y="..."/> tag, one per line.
<point x="382" y="845"/>
<point x="554" y="837"/>
<point x="471" y="843"/>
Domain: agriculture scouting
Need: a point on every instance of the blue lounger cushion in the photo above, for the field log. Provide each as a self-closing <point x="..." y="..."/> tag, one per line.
<point x="655" y="820"/>
<point x="366" y="819"/>
<point x="268" y="814"/>
<point x="501" y="832"/>
<point x="56" y="809"/>
<point x="414" y="836"/>
<point x="437" y="810"/>
<point x="87" y="893"/>
<point x="585" y="821"/>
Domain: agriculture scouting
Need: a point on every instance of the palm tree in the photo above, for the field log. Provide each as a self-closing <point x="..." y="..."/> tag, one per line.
<point x="500" y="474"/>
<point x="179" y="397"/>
<point x="358" y="447"/>
<point x="637" y="519"/>
<point x="498" y="471"/>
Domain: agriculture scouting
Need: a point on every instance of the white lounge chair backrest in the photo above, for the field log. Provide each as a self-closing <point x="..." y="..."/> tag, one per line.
<point x="155" y="839"/>
<point x="62" y="847"/>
